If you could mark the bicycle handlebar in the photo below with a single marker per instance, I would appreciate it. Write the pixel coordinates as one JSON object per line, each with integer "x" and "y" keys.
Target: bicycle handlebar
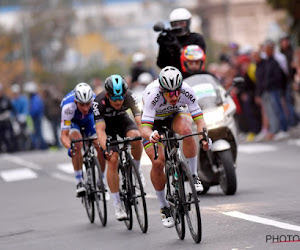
{"x": 179, "y": 138}
{"x": 122, "y": 140}
{"x": 88, "y": 139}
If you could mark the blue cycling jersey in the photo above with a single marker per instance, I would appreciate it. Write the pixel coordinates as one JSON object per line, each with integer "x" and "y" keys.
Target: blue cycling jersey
{"x": 72, "y": 118}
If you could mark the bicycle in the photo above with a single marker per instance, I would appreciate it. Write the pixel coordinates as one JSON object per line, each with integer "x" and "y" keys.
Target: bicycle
{"x": 180, "y": 190}
{"x": 131, "y": 188}
{"x": 94, "y": 185}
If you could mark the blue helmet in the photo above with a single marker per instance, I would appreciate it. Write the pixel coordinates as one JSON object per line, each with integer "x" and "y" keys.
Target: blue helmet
{"x": 116, "y": 85}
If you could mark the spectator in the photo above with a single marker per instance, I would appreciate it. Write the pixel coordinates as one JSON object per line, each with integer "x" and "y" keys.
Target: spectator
{"x": 171, "y": 43}
{"x": 259, "y": 91}
{"x": 246, "y": 93}
{"x": 97, "y": 85}
{"x": 6, "y": 131}
{"x": 53, "y": 112}
{"x": 273, "y": 91}
{"x": 20, "y": 105}
{"x": 36, "y": 111}
{"x": 287, "y": 50}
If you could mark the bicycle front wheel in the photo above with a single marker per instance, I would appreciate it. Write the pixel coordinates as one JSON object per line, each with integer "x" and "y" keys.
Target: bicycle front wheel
{"x": 99, "y": 192}
{"x": 191, "y": 207}
{"x": 88, "y": 198}
{"x": 138, "y": 197}
{"x": 125, "y": 194}
{"x": 173, "y": 197}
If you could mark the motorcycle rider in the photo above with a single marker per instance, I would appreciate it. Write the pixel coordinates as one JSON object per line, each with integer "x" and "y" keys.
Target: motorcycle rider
{"x": 171, "y": 43}
{"x": 192, "y": 60}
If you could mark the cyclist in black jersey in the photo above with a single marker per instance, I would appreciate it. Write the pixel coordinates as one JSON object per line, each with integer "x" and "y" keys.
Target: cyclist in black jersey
{"x": 112, "y": 119}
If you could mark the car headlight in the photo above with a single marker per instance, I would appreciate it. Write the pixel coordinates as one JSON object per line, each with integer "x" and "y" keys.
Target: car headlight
{"x": 214, "y": 117}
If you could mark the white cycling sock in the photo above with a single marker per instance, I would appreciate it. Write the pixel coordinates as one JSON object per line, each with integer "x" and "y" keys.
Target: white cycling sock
{"x": 116, "y": 197}
{"x": 192, "y": 162}
{"x": 137, "y": 163}
{"x": 161, "y": 195}
{"x": 78, "y": 175}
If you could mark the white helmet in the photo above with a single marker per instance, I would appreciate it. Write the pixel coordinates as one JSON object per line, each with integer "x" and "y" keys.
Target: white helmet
{"x": 83, "y": 93}
{"x": 15, "y": 88}
{"x": 145, "y": 78}
{"x": 30, "y": 87}
{"x": 138, "y": 57}
{"x": 180, "y": 14}
{"x": 170, "y": 78}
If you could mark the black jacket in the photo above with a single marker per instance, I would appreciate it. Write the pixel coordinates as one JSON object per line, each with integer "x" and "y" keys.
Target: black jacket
{"x": 171, "y": 57}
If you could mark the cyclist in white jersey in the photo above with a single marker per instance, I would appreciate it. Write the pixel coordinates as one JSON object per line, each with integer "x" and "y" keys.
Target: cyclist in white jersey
{"x": 163, "y": 101}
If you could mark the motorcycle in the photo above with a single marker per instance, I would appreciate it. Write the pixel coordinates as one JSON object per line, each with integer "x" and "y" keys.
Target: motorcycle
{"x": 217, "y": 166}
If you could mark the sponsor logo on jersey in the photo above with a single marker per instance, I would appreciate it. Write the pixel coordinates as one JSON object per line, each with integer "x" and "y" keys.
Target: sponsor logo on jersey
{"x": 69, "y": 111}
{"x": 155, "y": 100}
{"x": 95, "y": 108}
{"x": 136, "y": 101}
{"x": 188, "y": 95}
{"x": 67, "y": 123}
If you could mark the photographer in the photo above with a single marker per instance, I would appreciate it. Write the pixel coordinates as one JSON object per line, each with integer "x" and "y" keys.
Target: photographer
{"x": 172, "y": 41}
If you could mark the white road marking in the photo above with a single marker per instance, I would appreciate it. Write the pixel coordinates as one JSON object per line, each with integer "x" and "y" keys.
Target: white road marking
{"x": 66, "y": 167}
{"x": 63, "y": 177}
{"x": 18, "y": 174}
{"x": 294, "y": 142}
{"x": 262, "y": 220}
{"x": 256, "y": 148}
{"x": 19, "y": 161}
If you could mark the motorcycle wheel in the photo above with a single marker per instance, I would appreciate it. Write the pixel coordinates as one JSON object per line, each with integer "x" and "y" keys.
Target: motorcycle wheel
{"x": 227, "y": 179}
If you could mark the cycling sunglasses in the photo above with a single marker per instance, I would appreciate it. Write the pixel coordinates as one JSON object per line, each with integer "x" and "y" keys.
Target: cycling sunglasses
{"x": 172, "y": 93}
{"x": 117, "y": 97}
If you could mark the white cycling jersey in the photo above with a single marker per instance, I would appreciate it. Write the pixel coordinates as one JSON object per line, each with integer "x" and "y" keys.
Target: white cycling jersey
{"x": 155, "y": 106}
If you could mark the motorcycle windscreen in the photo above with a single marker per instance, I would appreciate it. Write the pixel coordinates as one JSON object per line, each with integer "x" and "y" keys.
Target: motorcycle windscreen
{"x": 206, "y": 90}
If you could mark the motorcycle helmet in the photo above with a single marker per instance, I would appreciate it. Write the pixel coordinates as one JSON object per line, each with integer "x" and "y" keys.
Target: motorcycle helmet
{"x": 116, "y": 87}
{"x": 192, "y": 54}
{"x": 180, "y": 20}
{"x": 83, "y": 93}
{"x": 170, "y": 79}
{"x": 145, "y": 78}
{"x": 138, "y": 57}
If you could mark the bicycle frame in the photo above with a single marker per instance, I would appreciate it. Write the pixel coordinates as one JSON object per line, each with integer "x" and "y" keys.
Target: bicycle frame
{"x": 131, "y": 189}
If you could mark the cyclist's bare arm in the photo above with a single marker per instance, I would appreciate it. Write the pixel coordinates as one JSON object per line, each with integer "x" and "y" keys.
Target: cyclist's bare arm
{"x": 65, "y": 139}
{"x": 138, "y": 122}
{"x": 101, "y": 135}
{"x": 200, "y": 123}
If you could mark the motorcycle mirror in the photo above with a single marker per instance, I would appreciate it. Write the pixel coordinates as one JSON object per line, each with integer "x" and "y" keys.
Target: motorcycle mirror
{"x": 238, "y": 80}
{"x": 158, "y": 27}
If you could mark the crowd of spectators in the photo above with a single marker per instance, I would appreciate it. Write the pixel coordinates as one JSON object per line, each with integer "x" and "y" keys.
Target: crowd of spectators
{"x": 266, "y": 102}
{"x": 24, "y": 109}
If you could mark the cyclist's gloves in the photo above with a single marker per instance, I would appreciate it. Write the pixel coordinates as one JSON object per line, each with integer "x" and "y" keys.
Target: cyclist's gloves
{"x": 70, "y": 152}
{"x": 154, "y": 137}
{"x": 209, "y": 142}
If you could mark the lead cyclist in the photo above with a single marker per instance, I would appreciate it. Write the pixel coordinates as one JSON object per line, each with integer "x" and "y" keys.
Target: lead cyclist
{"x": 163, "y": 100}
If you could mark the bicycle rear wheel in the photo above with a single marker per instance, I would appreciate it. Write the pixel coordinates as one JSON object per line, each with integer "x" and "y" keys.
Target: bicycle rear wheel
{"x": 88, "y": 198}
{"x": 125, "y": 194}
{"x": 138, "y": 197}
{"x": 99, "y": 192}
{"x": 191, "y": 206}
{"x": 173, "y": 197}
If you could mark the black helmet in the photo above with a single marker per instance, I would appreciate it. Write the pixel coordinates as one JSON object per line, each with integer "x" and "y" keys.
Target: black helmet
{"x": 116, "y": 85}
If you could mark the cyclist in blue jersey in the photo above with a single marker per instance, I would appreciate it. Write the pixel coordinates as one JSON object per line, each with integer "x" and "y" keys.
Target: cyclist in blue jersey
{"x": 77, "y": 112}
